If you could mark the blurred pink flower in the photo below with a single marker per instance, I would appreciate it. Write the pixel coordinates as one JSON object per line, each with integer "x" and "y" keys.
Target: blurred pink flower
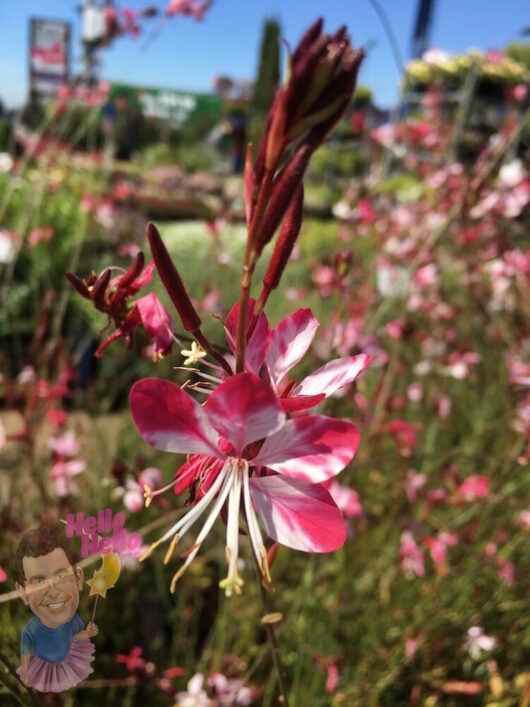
{"x": 332, "y": 678}
{"x": 133, "y": 498}
{"x": 65, "y": 446}
{"x": 324, "y": 279}
{"x": 404, "y": 434}
{"x": 506, "y": 572}
{"x": 132, "y": 661}
{"x": 411, "y": 646}
{"x": 520, "y": 92}
{"x": 415, "y": 392}
{"x": 38, "y": 235}
{"x": 230, "y": 692}
{"x": 56, "y": 417}
{"x": 62, "y": 473}
{"x": 3, "y": 575}
{"x": 395, "y": 329}
{"x": 411, "y": 557}
{"x": 346, "y": 499}
{"x": 438, "y": 546}
{"x": 474, "y": 487}
{"x": 413, "y": 483}
{"x": 523, "y": 519}
{"x": 519, "y": 372}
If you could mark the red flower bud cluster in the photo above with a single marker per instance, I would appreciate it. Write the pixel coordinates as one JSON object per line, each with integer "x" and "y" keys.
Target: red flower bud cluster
{"x": 111, "y": 296}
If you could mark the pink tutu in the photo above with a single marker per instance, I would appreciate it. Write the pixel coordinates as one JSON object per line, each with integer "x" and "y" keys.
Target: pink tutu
{"x": 57, "y": 677}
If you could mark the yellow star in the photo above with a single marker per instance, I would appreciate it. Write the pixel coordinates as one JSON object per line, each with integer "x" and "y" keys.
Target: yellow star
{"x": 194, "y": 354}
{"x": 100, "y": 583}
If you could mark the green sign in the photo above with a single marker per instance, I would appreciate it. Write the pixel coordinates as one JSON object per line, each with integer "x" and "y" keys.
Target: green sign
{"x": 178, "y": 107}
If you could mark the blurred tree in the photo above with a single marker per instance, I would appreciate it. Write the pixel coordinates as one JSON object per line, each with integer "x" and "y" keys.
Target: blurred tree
{"x": 519, "y": 51}
{"x": 267, "y": 79}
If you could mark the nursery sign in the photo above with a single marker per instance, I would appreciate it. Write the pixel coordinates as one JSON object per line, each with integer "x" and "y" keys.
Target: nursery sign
{"x": 49, "y": 55}
{"x": 178, "y": 107}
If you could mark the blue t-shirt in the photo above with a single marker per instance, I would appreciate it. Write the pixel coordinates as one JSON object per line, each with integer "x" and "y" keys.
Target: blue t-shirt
{"x": 49, "y": 644}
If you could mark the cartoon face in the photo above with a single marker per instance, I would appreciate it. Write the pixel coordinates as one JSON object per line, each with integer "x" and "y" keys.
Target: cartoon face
{"x": 51, "y": 588}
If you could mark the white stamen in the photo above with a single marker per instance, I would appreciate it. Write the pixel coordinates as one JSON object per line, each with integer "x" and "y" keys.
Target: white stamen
{"x": 197, "y": 510}
{"x": 232, "y": 527}
{"x": 214, "y": 512}
{"x": 253, "y": 528}
{"x": 200, "y": 390}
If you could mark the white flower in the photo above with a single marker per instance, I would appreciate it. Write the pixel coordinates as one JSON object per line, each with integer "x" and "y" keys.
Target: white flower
{"x": 7, "y": 251}
{"x": 195, "y": 695}
{"x": 477, "y": 642}
{"x": 6, "y": 162}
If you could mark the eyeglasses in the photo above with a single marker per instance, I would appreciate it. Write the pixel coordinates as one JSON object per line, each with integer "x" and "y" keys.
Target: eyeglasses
{"x": 57, "y": 578}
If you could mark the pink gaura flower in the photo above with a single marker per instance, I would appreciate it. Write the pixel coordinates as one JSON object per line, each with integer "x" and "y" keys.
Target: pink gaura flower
{"x": 347, "y": 499}
{"x": 65, "y": 446}
{"x": 404, "y": 434}
{"x": 132, "y": 661}
{"x": 243, "y": 445}
{"x": 285, "y": 346}
{"x": 413, "y": 483}
{"x": 133, "y": 498}
{"x": 62, "y": 472}
{"x": 56, "y": 417}
{"x": 411, "y": 556}
{"x": 230, "y": 692}
{"x": 474, "y": 487}
{"x": 332, "y": 678}
{"x": 157, "y": 323}
{"x": 39, "y": 235}
{"x": 506, "y": 572}
{"x": 438, "y": 546}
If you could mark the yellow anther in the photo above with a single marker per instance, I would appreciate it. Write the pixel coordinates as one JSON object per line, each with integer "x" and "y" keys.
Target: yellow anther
{"x": 150, "y": 550}
{"x": 148, "y": 495}
{"x": 171, "y": 548}
{"x": 264, "y": 567}
{"x": 232, "y": 585}
{"x": 176, "y": 578}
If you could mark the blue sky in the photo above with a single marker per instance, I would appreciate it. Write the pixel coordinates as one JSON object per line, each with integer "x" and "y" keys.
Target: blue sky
{"x": 186, "y": 54}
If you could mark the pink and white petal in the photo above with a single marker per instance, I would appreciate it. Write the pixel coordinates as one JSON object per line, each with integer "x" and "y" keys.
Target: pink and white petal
{"x": 289, "y": 342}
{"x": 74, "y": 467}
{"x": 170, "y": 420}
{"x": 259, "y": 341}
{"x": 244, "y": 409}
{"x": 299, "y": 515}
{"x": 313, "y": 448}
{"x": 301, "y": 402}
{"x": 333, "y": 376}
{"x": 61, "y": 486}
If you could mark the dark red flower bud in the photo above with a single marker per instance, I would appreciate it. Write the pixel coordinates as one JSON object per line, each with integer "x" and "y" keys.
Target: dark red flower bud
{"x": 283, "y": 190}
{"x": 78, "y": 285}
{"x": 133, "y": 272}
{"x": 172, "y": 281}
{"x": 286, "y": 240}
{"x": 99, "y": 290}
{"x": 319, "y": 89}
{"x": 307, "y": 39}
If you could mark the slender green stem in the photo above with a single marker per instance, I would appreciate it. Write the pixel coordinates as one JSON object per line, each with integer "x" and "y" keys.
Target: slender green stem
{"x": 272, "y": 640}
